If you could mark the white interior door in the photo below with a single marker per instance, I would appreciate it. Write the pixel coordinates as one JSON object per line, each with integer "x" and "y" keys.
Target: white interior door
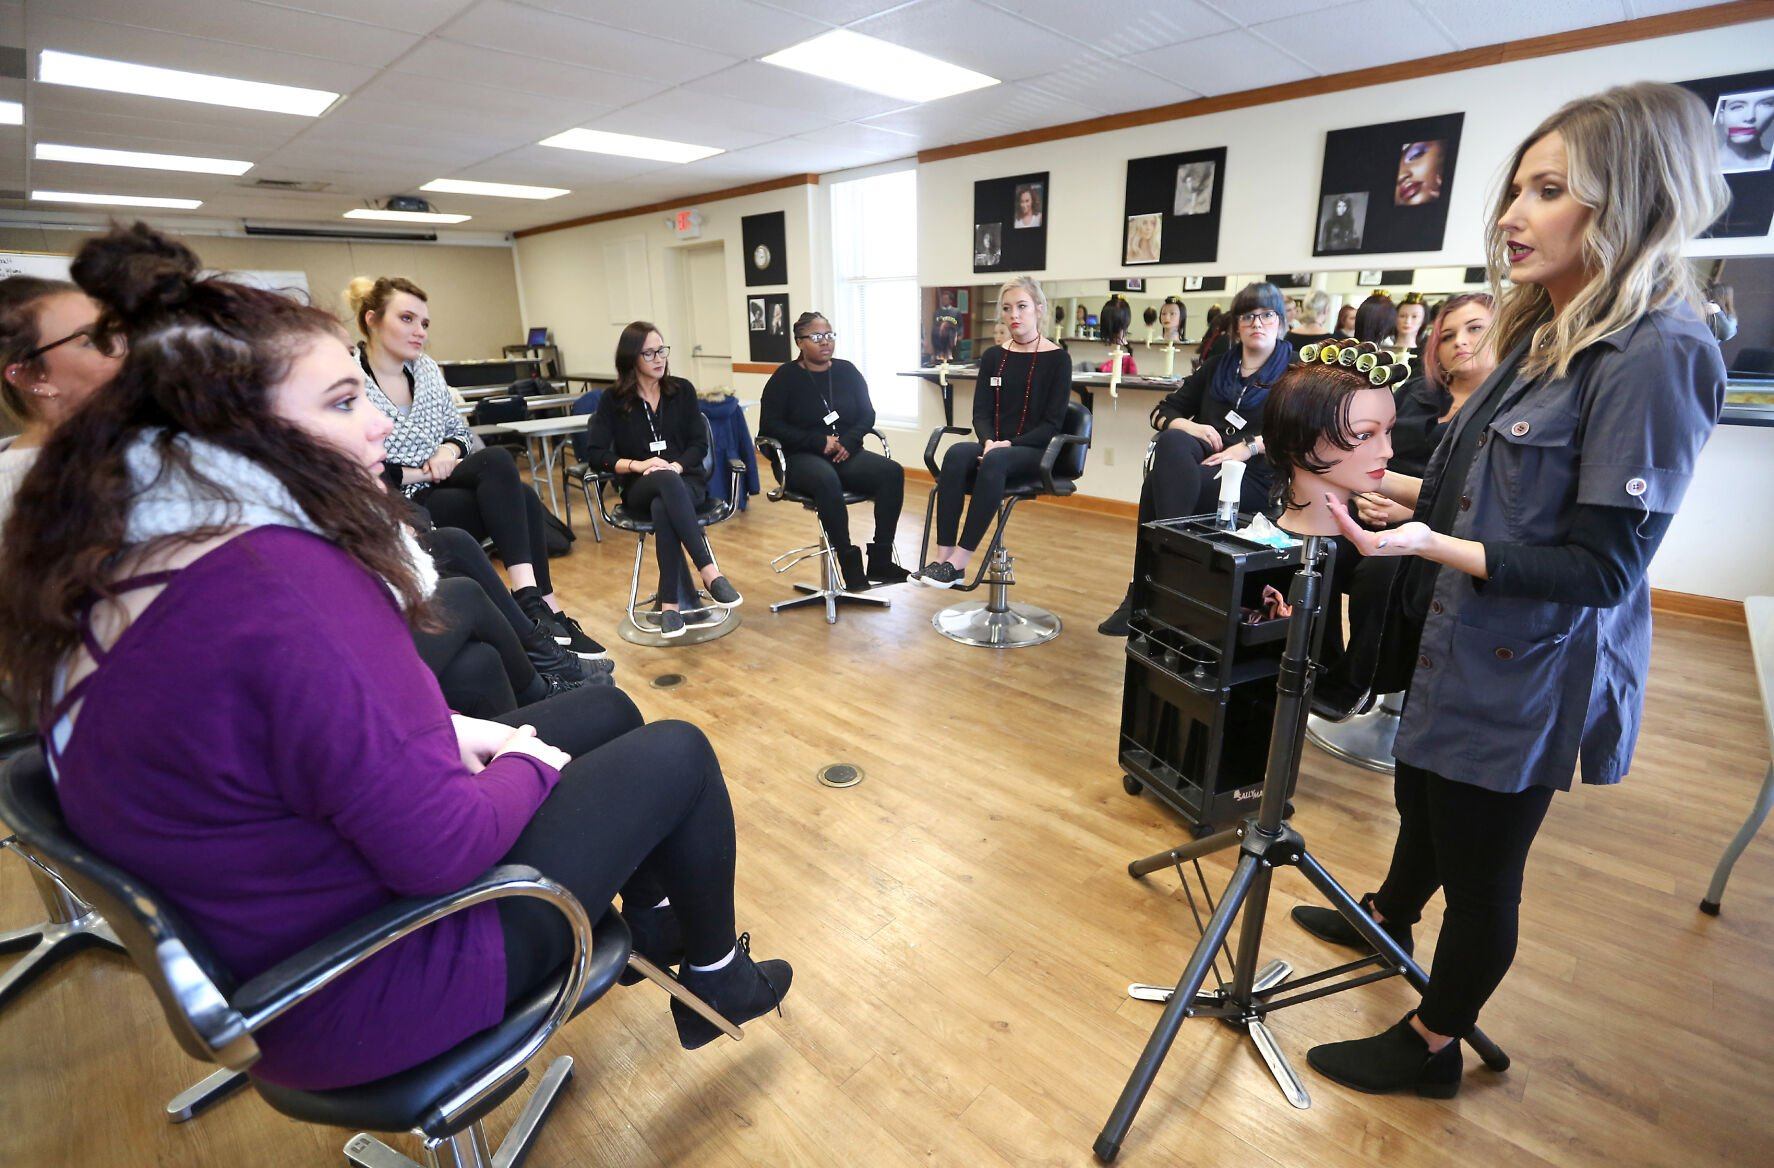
{"x": 706, "y": 355}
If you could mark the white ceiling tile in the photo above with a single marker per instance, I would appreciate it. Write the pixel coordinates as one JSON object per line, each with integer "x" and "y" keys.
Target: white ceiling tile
{"x": 835, "y": 11}
{"x": 547, "y": 166}
{"x": 855, "y": 146}
{"x": 1110, "y": 87}
{"x": 1121, "y": 28}
{"x": 407, "y": 99}
{"x": 61, "y": 111}
{"x": 548, "y": 36}
{"x": 1507, "y": 20}
{"x": 1359, "y": 35}
{"x": 170, "y": 51}
{"x": 1226, "y": 63}
{"x": 449, "y": 61}
{"x": 683, "y": 115}
{"x": 739, "y": 27}
{"x": 1249, "y": 12}
{"x": 419, "y": 16}
{"x": 1002, "y": 109}
{"x": 242, "y": 22}
{"x": 117, "y": 180}
{"x": 771, "y": 86}
{"x": 12, "y": 23}
{"x": 970, "y": 34}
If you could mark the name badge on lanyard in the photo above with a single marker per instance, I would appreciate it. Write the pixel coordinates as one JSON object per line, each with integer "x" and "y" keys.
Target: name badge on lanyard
{"x": 831, "y": 417}
{"x": 657, "y": 446}
{"x": 997, "y": 381}
{"x": 1235, "y": 420}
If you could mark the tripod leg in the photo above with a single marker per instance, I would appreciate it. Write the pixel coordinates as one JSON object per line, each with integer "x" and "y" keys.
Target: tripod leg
{"x": 1490, "y": 1052}
{"x": 1108, "y": 1143}
{"x": 1183, "y": 853}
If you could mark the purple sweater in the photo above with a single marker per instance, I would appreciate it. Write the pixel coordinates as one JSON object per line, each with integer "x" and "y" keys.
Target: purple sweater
{"x": 265, "y": 747}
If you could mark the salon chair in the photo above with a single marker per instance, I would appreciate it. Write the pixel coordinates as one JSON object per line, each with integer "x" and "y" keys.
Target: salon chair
{"x": 703, "y": 622}
{"x": 997, "y": 622}
{"x": 830, "y": 591}
{"x": 444, "y": 1100}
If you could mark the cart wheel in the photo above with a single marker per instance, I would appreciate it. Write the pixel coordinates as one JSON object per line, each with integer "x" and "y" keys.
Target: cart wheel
{"x": 1131, "y": 785}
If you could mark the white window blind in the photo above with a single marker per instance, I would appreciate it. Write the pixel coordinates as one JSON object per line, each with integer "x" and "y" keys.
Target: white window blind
{"x": 875, "y": 261}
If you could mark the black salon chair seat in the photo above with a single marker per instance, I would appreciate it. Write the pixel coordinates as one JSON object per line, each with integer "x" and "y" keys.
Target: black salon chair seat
{"x": 214, "y": 1018}
{"x": 830, "y": 593}
{"x": 998, "y": 622}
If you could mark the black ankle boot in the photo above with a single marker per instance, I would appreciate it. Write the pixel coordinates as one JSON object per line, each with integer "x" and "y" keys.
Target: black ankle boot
{"x": 1394, "y": 1060}
{"x": 657, "y": 936}
{"x": 882, "y": 569}
{"x": 1117, "y": 624}
{"x": 1327, "y": 924}
{"x": 739, "y": 991}
{"x": 548, "y": 656}
{"x": 856, "y": 579}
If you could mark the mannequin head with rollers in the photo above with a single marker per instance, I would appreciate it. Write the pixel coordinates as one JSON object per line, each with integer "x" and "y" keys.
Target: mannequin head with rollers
{"x": 1328, "y": 431}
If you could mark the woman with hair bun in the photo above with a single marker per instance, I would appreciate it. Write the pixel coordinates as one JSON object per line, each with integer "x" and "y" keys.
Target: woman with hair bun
{"x": 206, "y": 592}
{"x": 428, "y": 459}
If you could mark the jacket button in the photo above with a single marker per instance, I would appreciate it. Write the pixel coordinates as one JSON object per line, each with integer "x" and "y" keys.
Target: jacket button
{"x": 1520, "y": 429}
{"x": 1482, "y": 439}
{"x": 1423, "y": 661}
{"x": 1465, "y": 502}
{"x": 1435, "y": 606}
{"x": 1505, "y": 654}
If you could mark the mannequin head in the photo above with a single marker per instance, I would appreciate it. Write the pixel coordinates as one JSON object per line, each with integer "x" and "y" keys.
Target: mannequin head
{"x": 1113, "y": 321}
{"x": 1376, "y": 320}
{"x": 943, "y": 332}
{"x": 1411, "y": 315}
{"x": 1326, "y": 431}
{"x": 1172, "y": 317}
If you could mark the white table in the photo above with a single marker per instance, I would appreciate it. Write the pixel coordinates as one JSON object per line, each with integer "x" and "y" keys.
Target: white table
{"x": 550, "y": 434}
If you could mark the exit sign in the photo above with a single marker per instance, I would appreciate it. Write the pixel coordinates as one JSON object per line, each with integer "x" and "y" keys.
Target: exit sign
{"x": 687, "y": 224}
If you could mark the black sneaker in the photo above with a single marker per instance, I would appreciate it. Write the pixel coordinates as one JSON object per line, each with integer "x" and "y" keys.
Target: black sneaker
{"x": 671, "y": 623}
{"x": 1327, "y": 924}
{"x": 722, "y": 592}
{"x": 939, "y": 574}
{"x": 1117, "y": 624}
{"x": 882, "y": 569}
{"x": 855, "y": 577}
{"x": 1393, "y": 1060}
{"x": 657, "y": 936}
{"x": 572, "y": 635}
{"x": 536, "y": 608}
{"x": 548, "y": 657}
{"x": 559, "y": 683}
{"x": 739, "y": 991}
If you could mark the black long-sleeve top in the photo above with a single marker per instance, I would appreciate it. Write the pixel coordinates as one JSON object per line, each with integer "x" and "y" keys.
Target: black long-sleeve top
{"x": 1194, "y": 400}
{"x": 627, "y": 428}
{"x": 1028, "y": 406}
{"x": 796, "y": 402}
{"x": 1419, "y": 427}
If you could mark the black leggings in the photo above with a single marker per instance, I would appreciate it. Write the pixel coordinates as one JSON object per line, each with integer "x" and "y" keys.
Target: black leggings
{"x": 641, "y": 810}
{"x": 485, "y": 497}
{"x": 865, "y": 473}
{"x": 459, "y": 554}
{"x": 670, "y": 500}
{"x": 1473, "y": 845}
{"x": 1179, "y": 485}
{"x": 479, "y": 662}
{"x": 962, "y": 467}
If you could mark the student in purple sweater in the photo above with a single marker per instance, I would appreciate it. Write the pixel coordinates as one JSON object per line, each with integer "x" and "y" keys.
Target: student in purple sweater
{"x": 251, "y": 731}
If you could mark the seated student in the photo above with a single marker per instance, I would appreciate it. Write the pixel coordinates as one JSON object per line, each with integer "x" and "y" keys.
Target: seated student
{"x": 648, "y": 431}
{"x": 1345, "y": 329}
{"x": 1215, "y": 416}
{"x": 818, "y": 407}
{"x": 1112, "y": 324}
{"x": 1456, "y": 360}
{"x": 428, "y": 458}
{"x": 251, "y": 733}
{"x": 1019, "y": 404}
{"x": 50, "y": 364}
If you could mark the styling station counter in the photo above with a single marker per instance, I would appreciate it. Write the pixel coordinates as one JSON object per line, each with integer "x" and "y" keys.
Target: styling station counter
{"x": 1084, "y": 385}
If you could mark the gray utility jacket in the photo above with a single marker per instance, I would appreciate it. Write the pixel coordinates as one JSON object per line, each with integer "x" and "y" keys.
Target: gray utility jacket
{"x": 1509, "y": 693}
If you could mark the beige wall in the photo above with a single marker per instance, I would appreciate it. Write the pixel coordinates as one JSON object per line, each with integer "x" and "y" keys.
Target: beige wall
{"x": 473, "y": 290}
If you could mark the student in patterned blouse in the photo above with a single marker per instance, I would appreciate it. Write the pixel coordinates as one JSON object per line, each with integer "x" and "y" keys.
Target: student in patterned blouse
{"x": 428, "y": 452}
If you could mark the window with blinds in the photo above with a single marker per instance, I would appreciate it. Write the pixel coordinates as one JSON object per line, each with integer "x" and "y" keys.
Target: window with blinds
{"x": 875, "y": 262}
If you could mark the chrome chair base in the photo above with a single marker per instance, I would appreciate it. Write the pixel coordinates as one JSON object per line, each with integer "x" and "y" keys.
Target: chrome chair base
{"x": 468, "y": 1148}
{"x": 831, "y": 591}
{"x": 1364, "y": 740}
{"x": 700, "y": 625}
{"x": 202, "y": 1095}
{"x": 71, "y": 925}
{"x": 977, "y": 623}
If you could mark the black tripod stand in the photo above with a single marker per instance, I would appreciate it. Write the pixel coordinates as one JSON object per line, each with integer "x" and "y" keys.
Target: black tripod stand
{"x": 1266, "y": 841}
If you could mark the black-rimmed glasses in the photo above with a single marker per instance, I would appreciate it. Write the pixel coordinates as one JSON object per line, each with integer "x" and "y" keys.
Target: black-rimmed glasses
{"x": 1260, "y": 316}
{"x": 659, "y": 354}
{"x": 76, "y": 335}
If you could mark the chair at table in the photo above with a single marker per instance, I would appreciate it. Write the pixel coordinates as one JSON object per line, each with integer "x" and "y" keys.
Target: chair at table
{"x": 997, "y": 622}
{"x": 443, "y": 1100}
{"x": 490, "y": 411}
{"x": 703, "y": 622}
{"x": 830, "y": 592}
{"x": 573, "y": 469}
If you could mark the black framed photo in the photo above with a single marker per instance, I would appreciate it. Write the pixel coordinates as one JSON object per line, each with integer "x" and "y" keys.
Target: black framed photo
{"x": 767, "y": 322}
{"x": 1010, "y": 220}
{"x": 1172, "y": 206}
{"x": 1742, "y": 107}
{"x": 1387, "y": 187}
{"x": 1368, "y": 278}
{"x": 765, "y": 238}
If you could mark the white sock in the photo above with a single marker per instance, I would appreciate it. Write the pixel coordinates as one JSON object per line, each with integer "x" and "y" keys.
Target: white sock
{"x": 663, "y": 902}
{"x": 721, "y": 964}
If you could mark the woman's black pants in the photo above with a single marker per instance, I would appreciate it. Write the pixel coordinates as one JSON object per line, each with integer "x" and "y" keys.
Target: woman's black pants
{"x": 1473, "y": 845}
{"x": 485, "y": 497}
{"x": 641, "y": 810}
{"x": 1180, "y": 485}
{"x": 479, "y": 663}
{"x": 864, "y": 473}
{"x": 670, "y": 500}
{"x": 459, "y": 554}
{"x": 962, "y": 467}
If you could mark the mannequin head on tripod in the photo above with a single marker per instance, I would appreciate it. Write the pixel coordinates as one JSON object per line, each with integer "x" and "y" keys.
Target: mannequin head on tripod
{"x": 1327, "y": 430}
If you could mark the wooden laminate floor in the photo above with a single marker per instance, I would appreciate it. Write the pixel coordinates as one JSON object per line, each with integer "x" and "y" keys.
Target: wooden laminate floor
{"x": 963, "y": 928}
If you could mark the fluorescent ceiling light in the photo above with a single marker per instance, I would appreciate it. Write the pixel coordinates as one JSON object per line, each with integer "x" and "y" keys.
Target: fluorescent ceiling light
{"x": 116, "y": 200}
{"x": 12, "y": 113}
{"x": 59, "y": 68}
{"x": 849, "y": 58}
{"x": 406, "y": 216}
{"x": 463, "y": 186}
{"x": 55, "y": 152}
{"x": 630, "y": 146}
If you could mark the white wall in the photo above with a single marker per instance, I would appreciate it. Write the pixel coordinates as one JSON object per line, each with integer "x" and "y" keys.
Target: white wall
{"x": 566, "y": 287}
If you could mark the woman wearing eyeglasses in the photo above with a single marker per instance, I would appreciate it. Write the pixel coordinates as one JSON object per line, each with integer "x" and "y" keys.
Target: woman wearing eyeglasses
{"x": 818, "y": 407}
{"x": 1216, "y": 416}
{"x": 648, "y": 431}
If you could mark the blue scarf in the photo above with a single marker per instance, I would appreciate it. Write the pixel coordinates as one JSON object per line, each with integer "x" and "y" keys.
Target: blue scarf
{"x": 1227, "y": 383}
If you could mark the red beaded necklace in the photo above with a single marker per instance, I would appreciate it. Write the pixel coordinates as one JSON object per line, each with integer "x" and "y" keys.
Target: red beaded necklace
{"x": 998, "y": 389}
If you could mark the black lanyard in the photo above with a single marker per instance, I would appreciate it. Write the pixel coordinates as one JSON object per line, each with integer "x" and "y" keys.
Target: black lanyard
{"x": 825, "y": 395}
{"x": 647, "y": 412}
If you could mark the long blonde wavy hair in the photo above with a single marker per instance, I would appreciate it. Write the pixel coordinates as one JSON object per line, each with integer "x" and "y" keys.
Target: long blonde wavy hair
{"x": 1641, "y": 158}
